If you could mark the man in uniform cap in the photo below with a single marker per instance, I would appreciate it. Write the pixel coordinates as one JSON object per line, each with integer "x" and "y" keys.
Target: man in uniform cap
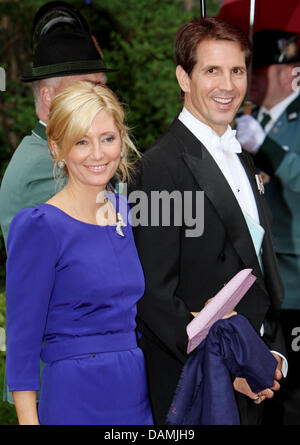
{"x": 60, "y": 58}
{"x": 273, "y": 137}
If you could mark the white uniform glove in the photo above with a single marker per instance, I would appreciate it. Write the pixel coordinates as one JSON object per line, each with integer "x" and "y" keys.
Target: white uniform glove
{"x": 249, "y": 133}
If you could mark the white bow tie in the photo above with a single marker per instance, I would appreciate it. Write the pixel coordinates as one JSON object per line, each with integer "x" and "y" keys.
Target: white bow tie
{"x": 228, "y": 142}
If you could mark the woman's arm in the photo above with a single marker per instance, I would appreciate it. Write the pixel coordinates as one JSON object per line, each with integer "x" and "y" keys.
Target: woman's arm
{"x": 25, "y": 404}
{"x": 30, "y": 277}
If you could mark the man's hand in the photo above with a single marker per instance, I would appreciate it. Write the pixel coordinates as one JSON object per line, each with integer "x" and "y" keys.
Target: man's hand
{"x": 242, "y": 386}
{"x": 250, "y": 133}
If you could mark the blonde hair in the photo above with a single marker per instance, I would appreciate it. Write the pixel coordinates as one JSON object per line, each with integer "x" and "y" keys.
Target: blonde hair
{"x": 71, "y": 114}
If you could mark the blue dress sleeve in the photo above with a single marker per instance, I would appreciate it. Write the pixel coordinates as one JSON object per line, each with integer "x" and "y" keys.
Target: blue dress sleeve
{"x": 30, "y": 274}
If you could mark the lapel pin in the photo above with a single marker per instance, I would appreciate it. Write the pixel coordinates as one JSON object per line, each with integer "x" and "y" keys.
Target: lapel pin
{"x": 292, "y": 116}
{"x": 260, "y": 184}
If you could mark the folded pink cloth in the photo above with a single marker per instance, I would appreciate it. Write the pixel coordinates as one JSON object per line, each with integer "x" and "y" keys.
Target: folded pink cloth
{"x": 221, "y": 304}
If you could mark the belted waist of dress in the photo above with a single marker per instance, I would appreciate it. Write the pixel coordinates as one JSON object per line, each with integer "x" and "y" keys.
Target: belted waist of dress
{"x": 63, "y": 349}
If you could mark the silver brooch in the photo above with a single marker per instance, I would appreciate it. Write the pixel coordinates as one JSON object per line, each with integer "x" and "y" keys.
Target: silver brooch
{"x": 120, "y": 223}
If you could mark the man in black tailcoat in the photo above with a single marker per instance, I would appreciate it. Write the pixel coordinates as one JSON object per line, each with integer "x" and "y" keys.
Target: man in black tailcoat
{"x": 184, "y": 266}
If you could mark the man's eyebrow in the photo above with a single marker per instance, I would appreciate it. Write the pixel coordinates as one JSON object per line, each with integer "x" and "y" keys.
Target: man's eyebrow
{"x": 208, "y": 67}
{"x": 94, "y": 82}
{"x": 241, "y": 67}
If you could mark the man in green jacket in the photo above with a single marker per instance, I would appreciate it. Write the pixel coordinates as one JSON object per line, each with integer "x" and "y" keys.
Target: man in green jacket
{"x": 273, "y": 137}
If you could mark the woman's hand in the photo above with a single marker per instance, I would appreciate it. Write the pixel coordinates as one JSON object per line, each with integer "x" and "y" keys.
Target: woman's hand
{"x": 25, "y": 403}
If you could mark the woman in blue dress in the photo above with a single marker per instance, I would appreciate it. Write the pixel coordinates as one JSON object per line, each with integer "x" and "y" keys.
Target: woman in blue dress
{"x": 74, "y": 278}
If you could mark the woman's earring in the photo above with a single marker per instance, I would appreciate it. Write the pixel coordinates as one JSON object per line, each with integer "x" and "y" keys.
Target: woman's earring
{"x": 122, "y": 154}
{"x": 61, "y": 164}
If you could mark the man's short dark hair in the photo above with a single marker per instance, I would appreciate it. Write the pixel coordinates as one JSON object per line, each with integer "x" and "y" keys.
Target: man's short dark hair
{"x": 192, "y": 33}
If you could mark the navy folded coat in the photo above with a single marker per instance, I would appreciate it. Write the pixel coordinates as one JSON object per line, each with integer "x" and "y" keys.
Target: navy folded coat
{"x": 205, "y": 395}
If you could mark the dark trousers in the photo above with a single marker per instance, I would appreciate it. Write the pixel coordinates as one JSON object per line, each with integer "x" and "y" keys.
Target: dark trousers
{"x": 284, "y": 408}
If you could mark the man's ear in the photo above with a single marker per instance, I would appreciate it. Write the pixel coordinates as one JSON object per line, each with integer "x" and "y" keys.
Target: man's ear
{"x": 183, "y": 79}
{"x": 46, "y": 95}
{"x": 286, "y": 77}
